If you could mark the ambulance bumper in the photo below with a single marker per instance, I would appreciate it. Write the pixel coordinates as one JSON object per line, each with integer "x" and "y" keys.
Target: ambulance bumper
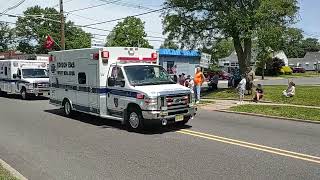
{"x": 169, "y": 115}
{"x": 37, "y": 92}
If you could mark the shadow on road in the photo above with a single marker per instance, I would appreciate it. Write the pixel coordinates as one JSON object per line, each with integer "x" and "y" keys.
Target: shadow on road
{"x": 18, "y": 97}
{"x": 107, "y": 123}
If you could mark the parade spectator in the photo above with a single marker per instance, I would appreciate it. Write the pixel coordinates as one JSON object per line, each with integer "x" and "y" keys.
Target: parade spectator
{"x": 250, "y": 79}
{"x": 236, "y": 76}
{"x": 242, "y": 88}
{"x": 259, "y": 93}
{"x": 189, "y": 82}
{"x": 291, "y": 90}
{"x": 198, "y": 81}
{"x": 182, "y": 79}
{"x": 214, "y": 81}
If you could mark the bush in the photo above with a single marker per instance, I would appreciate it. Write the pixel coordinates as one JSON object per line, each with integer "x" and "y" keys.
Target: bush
{"x": 273, "y": 67}
{"x": 285, "y": 70}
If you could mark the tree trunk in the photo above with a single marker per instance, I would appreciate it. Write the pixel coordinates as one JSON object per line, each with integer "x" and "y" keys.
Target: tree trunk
{"x": 243, "y": 54}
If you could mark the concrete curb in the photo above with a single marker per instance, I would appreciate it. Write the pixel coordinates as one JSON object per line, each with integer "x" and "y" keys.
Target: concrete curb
{"x": 12, "y": 171}
{"x": 267, "y": 116}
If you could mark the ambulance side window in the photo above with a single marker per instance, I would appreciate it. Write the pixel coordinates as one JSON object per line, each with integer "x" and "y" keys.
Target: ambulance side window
{"x": 5, "y": 71}
{"x": 82, "y": 78}
{"x": 117, "y": 74}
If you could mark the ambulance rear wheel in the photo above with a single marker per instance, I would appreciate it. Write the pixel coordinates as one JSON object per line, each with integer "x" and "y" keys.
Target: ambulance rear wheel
{"x": 135, "y": 119}
{"x": 24, "y": 94}
{"x": 67, "y": 108}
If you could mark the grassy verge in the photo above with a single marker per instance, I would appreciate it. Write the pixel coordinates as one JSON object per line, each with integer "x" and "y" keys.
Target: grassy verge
{"x": 305, "y": 95}
{"x": 5, "y": 175}
{"x": 281, "y": 111}
{"x": 298, "y": 75}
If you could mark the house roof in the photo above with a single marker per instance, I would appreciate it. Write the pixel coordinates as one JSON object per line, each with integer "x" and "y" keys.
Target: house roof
{"x": 173, "y": 52}
{"x": 310, "y": 57}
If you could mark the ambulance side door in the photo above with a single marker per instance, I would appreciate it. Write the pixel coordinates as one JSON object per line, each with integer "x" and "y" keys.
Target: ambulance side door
{"x": 116, "y": 93}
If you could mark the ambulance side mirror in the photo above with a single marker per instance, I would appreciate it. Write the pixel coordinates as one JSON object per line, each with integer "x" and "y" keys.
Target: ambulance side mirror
{"x": 121, "y": 83}
{"x": 111, "y": 81}
{"x": 14, "y": 76}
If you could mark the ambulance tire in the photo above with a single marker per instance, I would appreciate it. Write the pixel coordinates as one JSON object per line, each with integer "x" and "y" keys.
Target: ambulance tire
{"x": 2, "y": 93}
{"x": 67, "y": 108}
{"x": 135, "y": 121}
{"x": 24, "y": 95}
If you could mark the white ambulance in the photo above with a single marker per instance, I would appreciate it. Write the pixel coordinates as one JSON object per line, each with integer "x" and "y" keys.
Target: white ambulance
{"x": 24, "y": 77}
{"x": 118, "y": 83}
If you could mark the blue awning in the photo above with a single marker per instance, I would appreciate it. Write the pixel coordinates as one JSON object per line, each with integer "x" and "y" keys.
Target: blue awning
{"x": 173, "y": 52}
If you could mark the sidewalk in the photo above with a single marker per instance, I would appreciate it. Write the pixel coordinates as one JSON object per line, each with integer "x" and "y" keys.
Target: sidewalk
{"x": 226, "y": 104}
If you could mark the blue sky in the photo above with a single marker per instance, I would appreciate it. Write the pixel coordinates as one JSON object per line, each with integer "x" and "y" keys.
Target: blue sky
{"x": 308, "y": 15}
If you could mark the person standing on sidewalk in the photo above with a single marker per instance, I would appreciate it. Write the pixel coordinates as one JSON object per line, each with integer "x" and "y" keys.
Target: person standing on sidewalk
{"x": 242, "y": 88}
{"x": 198, "y": 81}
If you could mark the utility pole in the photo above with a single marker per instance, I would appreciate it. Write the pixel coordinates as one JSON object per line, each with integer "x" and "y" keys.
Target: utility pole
{"x": 63, "y": 45}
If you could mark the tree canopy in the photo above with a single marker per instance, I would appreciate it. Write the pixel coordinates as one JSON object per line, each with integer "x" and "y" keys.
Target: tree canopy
{"x": 32, "y": 31}
{"x": 6, "y": 37}
{"x": 196, "y": 23}
{"x": 129, "y": 33}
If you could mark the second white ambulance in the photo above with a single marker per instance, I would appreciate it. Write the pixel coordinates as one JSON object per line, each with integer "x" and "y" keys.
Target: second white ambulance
{"x": 124, "y": 84}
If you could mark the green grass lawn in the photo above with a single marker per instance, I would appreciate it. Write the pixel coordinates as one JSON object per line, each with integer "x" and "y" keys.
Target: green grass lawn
{"x": 281, "y": 111}
{"x": 306, "y": 74}
{"x": 305, "y": 95}
{"x": 5, "y": 175}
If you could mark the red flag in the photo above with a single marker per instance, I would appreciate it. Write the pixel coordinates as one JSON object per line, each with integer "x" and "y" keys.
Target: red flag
{"x": 49, "y": 42}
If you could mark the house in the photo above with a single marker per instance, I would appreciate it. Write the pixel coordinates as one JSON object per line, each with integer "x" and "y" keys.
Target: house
{"x": 309, "y": 62}
{"x": 232, "y": 60}
{"x": 183, "y": 61}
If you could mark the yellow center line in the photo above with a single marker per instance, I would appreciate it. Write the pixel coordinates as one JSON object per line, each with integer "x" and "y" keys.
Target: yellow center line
{"x": 258, "y": 147}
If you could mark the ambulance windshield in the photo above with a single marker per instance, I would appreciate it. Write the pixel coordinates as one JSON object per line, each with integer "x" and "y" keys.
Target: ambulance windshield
{"x": 147, "y": 75}
{"x": 35, "y": 73}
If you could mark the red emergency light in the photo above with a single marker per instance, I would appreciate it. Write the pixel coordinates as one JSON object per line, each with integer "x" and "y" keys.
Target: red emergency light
{"x": 104, "y": 56}
{"x": 154, "y": 57}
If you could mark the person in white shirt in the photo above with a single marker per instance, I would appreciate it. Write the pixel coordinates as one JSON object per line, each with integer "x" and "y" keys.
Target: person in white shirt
{"x": 242, "y": 88}
{"x": 291, "y": 90}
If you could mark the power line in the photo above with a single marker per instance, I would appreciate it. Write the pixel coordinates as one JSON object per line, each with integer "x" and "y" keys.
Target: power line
{"x": 13, "y": 7}
{"x": 59, "y": 4}
{"x": 90, "y": 7}
{"x": 118, "y": 19}
{"x": 130, "y": 5}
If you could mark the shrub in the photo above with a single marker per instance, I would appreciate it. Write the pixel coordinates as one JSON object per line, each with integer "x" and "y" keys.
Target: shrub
{"x": 273, "y": 67}
{"x": 285, "y": 70}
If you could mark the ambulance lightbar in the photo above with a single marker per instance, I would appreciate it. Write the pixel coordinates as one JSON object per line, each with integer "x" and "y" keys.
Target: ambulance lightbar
{"x": 154, "y": 57}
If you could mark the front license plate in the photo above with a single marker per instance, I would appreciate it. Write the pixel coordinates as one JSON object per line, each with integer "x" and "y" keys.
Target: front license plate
{"x": 179, "y": 118}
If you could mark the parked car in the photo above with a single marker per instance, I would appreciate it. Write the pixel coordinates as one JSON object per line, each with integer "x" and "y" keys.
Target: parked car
{"x": 298, "y": 70}
{"x": 223, "y": 75}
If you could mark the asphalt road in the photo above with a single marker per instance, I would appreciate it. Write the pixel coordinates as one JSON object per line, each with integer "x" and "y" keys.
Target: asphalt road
{"x": 298, "y": 81}
{"x": 42, "y": 144}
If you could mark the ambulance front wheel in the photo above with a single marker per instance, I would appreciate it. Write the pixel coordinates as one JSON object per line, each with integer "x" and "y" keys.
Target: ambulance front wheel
{"x": 24, "y": 94}
{"x": 67, "y": 108}
{"x": 135, "y": 119}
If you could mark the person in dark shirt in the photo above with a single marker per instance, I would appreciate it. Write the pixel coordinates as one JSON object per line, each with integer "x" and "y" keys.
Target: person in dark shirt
{"x": 259, "y": 93}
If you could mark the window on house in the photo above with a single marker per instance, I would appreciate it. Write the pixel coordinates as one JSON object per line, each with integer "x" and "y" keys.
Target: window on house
{"x": 307, "y": 64}
{"x": 6, "y": 71}
{"x": 82, "y": 78}
{"x": 226, "y": 64}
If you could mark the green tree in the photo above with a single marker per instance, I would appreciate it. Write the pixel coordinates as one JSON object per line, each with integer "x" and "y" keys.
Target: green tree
{"x": 128, "y": 33}
{"x": 292, "y": 43}
{"x": 6, "y": 37}
{"x": 169, "y": 44}
{"x": 310, "y": 45}
{"x": 197, "y": 22}
{"x": 39, "y": 22}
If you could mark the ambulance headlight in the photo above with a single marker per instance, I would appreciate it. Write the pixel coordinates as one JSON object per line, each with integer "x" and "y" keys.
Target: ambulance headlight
{"x": 29, "y": 85}
{"x": 151, "y": 103}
